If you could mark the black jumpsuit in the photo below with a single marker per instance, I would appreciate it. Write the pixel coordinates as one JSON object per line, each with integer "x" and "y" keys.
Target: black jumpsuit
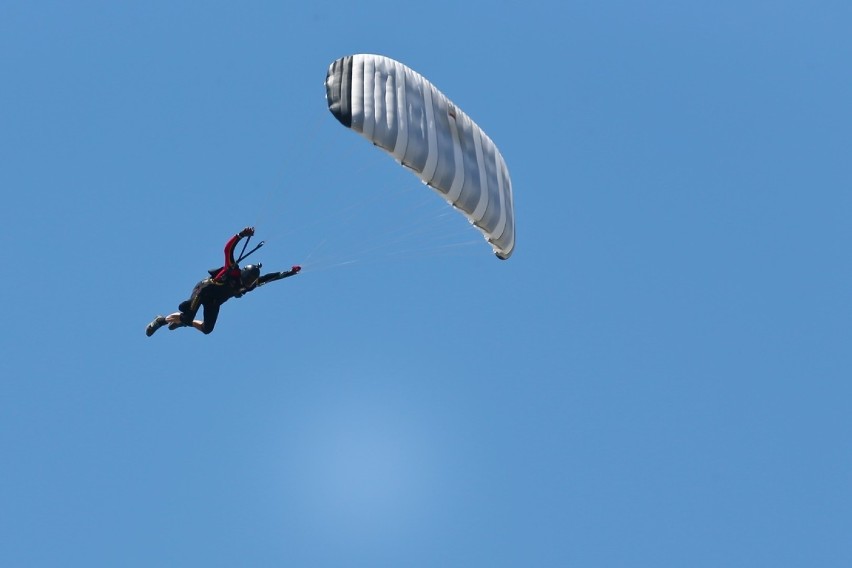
{"x": 224, "y": 283}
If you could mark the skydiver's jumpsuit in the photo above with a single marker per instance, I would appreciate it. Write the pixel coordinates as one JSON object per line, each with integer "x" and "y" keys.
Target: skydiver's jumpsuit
{"x": 224, "y": 283}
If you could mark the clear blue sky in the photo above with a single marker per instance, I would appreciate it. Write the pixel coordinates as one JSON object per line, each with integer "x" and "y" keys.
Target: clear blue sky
{"x": 659, "y": 376}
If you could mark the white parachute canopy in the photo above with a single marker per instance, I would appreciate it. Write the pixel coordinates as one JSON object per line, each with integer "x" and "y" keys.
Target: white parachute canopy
{"x": 404, "y": 114}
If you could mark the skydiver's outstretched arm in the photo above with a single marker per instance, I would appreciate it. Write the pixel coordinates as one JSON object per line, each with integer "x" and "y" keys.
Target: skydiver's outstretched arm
{"x": 273, "y": 276}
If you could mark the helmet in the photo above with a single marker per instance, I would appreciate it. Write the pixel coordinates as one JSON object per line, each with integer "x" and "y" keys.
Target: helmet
{"x": 249, "y": 275}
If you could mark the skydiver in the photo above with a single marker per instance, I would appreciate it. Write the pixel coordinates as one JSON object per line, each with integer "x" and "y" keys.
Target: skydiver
{"x": 229, "y": 281}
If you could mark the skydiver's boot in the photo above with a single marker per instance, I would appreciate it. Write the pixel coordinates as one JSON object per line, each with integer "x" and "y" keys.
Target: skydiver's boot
{"x": 158, "y": 322}
{"x": 174, "y": 326}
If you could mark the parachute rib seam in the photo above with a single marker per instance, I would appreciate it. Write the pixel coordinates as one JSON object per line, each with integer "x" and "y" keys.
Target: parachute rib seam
{"x": 356, "y": 89}
{"x": 432, "y": 138}
{"x": 458, "y": 158}
{"x": 482, "y": 204}
{"x": 501, "y": 223}
{"x": 400, "y": 88}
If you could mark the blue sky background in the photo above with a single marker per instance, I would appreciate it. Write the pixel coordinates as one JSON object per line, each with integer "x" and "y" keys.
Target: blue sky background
{"x": 659, "y": 376}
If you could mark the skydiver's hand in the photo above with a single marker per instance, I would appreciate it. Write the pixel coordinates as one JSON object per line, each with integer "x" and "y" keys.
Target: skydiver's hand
{"x": 295, "y": 269}
{"x": 247, "y": 232}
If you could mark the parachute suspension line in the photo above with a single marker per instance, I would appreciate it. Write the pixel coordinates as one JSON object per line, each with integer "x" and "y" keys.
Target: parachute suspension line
{"x": 348, "y": 220}
{"x": 468, "y": 249}
{"x": 344, "y": 217}
{"x": 294, "y": 152}
{"x": 337, "y": 224}
{"x": 445, "y": 233}
{"x": 404, "y": 241}
{"x": 339, "y": 176}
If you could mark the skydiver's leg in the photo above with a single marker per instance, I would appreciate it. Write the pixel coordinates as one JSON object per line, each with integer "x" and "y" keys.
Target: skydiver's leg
{"x": 184, "y": 317}
{"x": 211, "y": 313}
{"x": 181, "y": 319}
{"x": 175, "y": 321}
{"x": 187, "y": 310}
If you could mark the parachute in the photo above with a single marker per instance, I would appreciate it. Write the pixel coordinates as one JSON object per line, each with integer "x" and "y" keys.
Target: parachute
{"x": 404, "y": 114}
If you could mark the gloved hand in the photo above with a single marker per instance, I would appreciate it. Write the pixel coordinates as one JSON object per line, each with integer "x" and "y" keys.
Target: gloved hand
{"x": 247, "y": 232}
{"x": 295, "y": 269}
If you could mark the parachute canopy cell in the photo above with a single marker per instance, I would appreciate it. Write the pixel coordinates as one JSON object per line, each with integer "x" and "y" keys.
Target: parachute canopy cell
{"x": 401, "y": 112}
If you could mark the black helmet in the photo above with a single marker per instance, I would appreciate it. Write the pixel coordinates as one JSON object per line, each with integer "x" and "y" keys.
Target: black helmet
{"x": 249, "y": 275}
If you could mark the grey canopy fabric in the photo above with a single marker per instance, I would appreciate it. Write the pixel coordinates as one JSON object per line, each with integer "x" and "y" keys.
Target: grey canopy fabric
{"x": 404, "y": 114}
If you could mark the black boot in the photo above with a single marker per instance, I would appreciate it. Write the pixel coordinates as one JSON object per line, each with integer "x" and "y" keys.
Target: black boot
{"x": 158, "y": 322}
